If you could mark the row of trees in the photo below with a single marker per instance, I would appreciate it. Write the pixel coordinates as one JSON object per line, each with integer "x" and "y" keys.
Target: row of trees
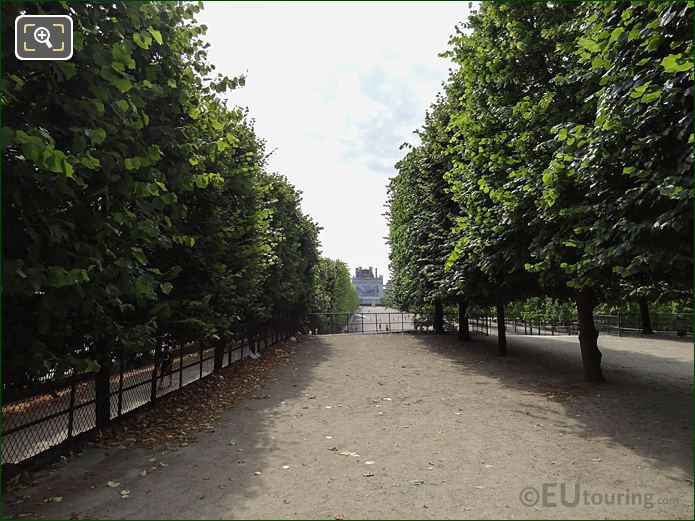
{"x": 333, "y": 289}
{"x": 136, "y": 207}
{"x": 556, "y": 162}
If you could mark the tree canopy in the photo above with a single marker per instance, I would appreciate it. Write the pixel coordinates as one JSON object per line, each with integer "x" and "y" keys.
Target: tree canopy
{"x": 563, "y": 160}
{"x": 137, "y": 206}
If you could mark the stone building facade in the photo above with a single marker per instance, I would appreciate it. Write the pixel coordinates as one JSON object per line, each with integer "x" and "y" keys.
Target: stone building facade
{"x": 369, "y": 285}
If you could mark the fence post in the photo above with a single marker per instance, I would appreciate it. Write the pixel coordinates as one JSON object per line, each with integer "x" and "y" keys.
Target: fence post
{"x": 71, "y": 411}
{"x": 620, "y": 330}
{"x": 201, "y": 360}
{"x": 218, "y": 361}
{"x": 120, "y": 383}
{"x": 180, "y": 366}
{"x": 362, "y": 322}
{"x": 153, "y": 383}
{"x": 332, "y": 323}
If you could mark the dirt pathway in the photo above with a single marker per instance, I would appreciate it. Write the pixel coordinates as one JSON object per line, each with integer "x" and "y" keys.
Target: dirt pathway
{"x": 408, "y": 426}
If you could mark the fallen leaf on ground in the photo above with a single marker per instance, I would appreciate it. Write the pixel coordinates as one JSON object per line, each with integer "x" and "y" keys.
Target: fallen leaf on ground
{"x": 112, "y": 484}
{"x": 367, "y": 474}
{"x": 285, "y": 466}
{"x": 143, "y": 473}
{"x": 416, "y": 482}
{"x": 257, "y": 473}
{"x": 197, "y": 404}
{"x": 55, "y": 499}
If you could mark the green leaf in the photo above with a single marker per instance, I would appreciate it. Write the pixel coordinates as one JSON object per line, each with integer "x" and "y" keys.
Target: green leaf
{"x": 142, "y": 39}
{"x": 90, "y": 162}
{"x": 139, "y": 255}
{"x": 167, "y": 287}
{"x": 122, "y": 84}
{"x": 155, "y": 34}
{"x": 651, "y": 96}
{"x": 96, "y": 135}
{"x": 616, "y": 33}
{"x": 68, "y": 68}
{"x": 676, "y": 63}
{"x": 639, "y": 91}
{"x": 588, "y": 44}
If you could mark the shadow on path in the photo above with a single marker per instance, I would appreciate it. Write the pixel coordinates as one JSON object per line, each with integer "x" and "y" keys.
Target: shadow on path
{"x": 646, "y": 404}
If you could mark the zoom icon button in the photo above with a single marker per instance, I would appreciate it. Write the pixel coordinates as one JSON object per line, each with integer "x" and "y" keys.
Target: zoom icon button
{"x": 43, "y": 37}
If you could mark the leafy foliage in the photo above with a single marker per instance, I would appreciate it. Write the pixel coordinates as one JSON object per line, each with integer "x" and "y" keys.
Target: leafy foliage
{"x": 557, "y": 160}
{"x": 136, "y": 206}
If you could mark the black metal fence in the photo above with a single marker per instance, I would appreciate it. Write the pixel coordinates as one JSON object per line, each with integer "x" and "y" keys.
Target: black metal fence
{"x": 619, "y": 324}
{"x": 388, "y": 322}
{"x": 397, "y": 322}
{"x": 52, "y": 411}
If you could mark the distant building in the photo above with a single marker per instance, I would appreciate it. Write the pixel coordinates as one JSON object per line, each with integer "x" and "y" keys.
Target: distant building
{"x": 370, "y": 287}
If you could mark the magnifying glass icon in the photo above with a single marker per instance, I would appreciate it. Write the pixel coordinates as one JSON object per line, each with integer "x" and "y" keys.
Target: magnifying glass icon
{"x": 42, "y": 35}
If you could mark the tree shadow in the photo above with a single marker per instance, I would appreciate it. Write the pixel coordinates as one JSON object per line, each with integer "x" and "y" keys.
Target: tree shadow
{"x": 210, "y": 479}
{"x": 646, "y": 404}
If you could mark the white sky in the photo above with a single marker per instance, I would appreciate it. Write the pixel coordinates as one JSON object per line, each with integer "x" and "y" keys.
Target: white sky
{"x": 335, "y": 89}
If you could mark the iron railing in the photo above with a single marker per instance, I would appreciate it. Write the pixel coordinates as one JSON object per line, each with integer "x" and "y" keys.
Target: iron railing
{"x": 619, "y": 324}
{"x": 51, "y": 411}
{"x": 388, "y": 322}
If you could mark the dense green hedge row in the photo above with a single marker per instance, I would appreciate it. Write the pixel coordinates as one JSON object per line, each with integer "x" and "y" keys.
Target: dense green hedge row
{"x": 557, "y": 161}
{"x": 136, "y": 205}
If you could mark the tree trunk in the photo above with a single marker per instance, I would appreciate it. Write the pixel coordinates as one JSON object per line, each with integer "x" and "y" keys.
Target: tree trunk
{"x": 588, "y": 336}
{"x": 464, "y": 332}
{"x": 438, "y": 317}
{"x": 219, "y": 354}
{"x": 501, "y": 330}
{"x": 102, "y": 395}
{"x": 644, "y": 316}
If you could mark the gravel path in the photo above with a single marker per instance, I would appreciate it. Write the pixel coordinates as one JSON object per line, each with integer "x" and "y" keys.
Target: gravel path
{"x": 418, "y": 426}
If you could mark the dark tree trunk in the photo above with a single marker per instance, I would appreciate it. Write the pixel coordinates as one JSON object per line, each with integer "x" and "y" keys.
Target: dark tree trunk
{"x": 644, "y": 316}
{"x": 438, "y": 317}
{"x": 219, "y": 354}
{"x": 102, "y": 395}
{"x": 464, "y": 332}
{"x": 588, "y": 336}
{"x": 501, "y": 330}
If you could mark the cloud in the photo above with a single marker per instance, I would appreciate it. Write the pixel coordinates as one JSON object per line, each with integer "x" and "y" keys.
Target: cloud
{"x": 335, "y": 89}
